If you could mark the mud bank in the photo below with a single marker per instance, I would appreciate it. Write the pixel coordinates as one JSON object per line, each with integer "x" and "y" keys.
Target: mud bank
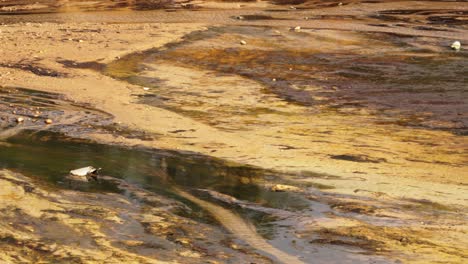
{"x": 361, "y": 113}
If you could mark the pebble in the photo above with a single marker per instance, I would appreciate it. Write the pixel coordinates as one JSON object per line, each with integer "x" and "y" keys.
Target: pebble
{"x": 19, "y": 120}
{"x": 48, "y": 121}
{"x": 189, "y": 254}
{"x": 297, "y": 29}
{"x": 146, "y": 88}
{"x": 234, "y": 246}
{"x": 284, "y": 188}
{"x": 183, "y": 241}
{"x": 133, "y": 243}
{"x": 29, "y": 228}
{"x": 456, "y": 45}
{"x": 242, "y": 42}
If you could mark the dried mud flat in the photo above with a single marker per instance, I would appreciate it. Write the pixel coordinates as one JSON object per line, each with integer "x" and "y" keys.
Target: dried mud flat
{"x": 359, "y": 118}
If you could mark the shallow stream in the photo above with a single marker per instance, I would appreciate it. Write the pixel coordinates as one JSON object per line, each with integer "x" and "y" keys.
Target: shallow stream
{"x": 264, "y": 219}
{"x": 50, "y": 156}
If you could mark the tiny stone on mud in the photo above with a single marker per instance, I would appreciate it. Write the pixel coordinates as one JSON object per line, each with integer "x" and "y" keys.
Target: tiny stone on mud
{"x": 284, "y": 188}
{"x": 243, "y": 42}
{"x": 456, "y": 45}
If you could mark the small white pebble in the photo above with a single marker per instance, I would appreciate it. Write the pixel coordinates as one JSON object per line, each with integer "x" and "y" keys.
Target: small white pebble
{"x": 146, "y": 88}
{"x": 297, "y": 29}
{"x": 242, "y": 42}
{"x": 456, "y": 45}
{"x": 19, "y": 120}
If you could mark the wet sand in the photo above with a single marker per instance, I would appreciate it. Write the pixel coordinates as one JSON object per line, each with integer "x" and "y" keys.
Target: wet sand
{"x": 366, "y": 100}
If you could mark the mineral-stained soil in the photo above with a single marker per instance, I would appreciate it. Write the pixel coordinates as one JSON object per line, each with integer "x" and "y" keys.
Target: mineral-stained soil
{"x": 360, "y": 107}
{"x": 47, "y": 225}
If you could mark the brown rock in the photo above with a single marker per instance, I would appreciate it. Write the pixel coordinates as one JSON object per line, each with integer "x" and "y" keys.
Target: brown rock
{"x": 284, "y": 188}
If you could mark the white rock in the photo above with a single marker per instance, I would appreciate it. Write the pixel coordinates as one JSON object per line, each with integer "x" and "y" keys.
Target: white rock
{"x": 19, "y": 120}
{"x": 297, "y": 29}
{"x": 456, "y": 45}
{"x": 242, "y": 42}
{"x": 146, "y": 88}
{"x": 82, "y": 171}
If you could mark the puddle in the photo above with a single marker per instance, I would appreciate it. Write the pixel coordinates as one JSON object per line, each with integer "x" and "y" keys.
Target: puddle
{"x": 49, "y": 156}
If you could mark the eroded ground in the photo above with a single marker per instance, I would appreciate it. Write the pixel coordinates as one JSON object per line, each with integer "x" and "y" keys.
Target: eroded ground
{"x": 77, "y": 227}
{"x": 361, "y": 114}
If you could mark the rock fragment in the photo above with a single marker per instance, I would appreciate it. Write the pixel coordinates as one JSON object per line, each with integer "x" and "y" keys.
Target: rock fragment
{"x": 284, "y": 188}
{"x": 456, "y": 45}
{"x": 85, "y": 173}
